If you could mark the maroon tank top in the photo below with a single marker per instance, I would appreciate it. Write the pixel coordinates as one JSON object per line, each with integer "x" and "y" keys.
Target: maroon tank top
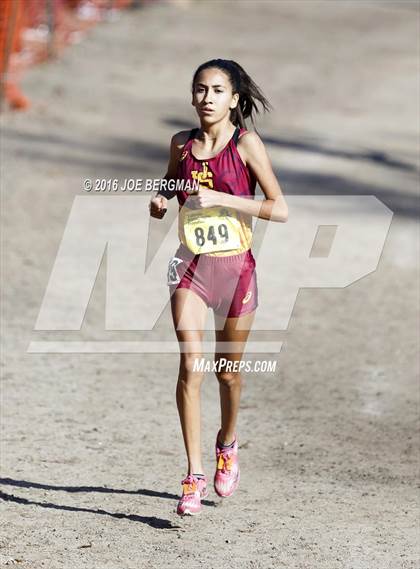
{"x": 224, "y": 172}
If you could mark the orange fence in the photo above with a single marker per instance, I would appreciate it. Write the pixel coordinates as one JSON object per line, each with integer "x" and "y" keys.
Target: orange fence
{"x": 32, "y": 31}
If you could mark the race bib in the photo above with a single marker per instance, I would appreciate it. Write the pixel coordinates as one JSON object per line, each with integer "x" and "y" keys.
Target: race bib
{"x": 212, "y": 229}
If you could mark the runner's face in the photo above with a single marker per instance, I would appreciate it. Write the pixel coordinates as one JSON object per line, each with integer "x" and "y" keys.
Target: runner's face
{"x": 212, "y": 96}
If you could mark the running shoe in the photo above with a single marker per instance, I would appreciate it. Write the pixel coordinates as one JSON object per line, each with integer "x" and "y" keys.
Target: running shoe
{"x": 193, "y": 490}
{"x": 226, "y": 478}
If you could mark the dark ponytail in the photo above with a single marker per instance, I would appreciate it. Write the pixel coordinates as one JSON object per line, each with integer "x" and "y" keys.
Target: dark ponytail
{"x": 249, "y": 92}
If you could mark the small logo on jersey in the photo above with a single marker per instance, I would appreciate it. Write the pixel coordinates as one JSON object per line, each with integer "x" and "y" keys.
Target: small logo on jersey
{"x": 247, "y": 297}
{"x": 204, "y": 177}
{"x": 184, "y": 154}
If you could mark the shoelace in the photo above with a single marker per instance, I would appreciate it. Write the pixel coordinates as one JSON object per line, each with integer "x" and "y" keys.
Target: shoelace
{"x": 189, "y": 486}
{"x": 225, "y": 461}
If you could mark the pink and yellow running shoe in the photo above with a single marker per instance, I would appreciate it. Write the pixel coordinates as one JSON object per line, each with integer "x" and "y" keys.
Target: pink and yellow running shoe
{"x": 226, "y": 478}
{"x": 193, "y": 490}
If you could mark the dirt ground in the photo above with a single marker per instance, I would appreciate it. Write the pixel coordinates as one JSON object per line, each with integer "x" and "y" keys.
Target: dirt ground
{"x": 92, "y": 454}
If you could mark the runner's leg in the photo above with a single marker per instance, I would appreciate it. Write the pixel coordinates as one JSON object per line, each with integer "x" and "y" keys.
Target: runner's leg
{"x": 230, "y": 381}
{"x": 189, "y": 314}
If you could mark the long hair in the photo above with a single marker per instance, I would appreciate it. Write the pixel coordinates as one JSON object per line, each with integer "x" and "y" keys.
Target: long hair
{"x": 249, "y": 92}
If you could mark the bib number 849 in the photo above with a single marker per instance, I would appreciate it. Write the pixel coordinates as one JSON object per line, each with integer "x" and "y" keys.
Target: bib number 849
{"x": 222, "y": 230}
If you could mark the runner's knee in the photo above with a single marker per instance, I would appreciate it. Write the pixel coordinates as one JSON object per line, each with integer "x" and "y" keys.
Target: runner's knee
{"x": 189, "y": 364}
{"x": 228, "y": 378}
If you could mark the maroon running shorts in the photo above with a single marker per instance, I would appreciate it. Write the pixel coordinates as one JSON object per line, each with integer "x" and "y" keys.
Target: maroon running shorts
{"x": 227, "y": 284}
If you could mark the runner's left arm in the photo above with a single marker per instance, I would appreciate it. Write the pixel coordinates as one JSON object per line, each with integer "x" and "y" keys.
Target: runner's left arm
{"x": 273, "y": 207}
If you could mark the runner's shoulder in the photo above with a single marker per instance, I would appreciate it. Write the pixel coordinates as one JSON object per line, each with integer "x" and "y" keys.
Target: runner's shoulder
{"x": 180, "y": 138}
{"x": 250, "y": 139}
{"x": 250, "y": 144}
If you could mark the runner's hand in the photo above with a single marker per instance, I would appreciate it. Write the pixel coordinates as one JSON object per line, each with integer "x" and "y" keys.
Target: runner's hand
{"x": 205, "y": 198}
{"x": 158, "y": 206}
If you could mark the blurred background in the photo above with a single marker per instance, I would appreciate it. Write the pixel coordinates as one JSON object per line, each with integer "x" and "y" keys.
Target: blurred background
{"x": 32, "y": 31}
{"x": 96, "y": 90}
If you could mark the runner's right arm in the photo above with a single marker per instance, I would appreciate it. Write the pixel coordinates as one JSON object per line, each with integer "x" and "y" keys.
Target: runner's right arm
{"x": 158, "y": 203}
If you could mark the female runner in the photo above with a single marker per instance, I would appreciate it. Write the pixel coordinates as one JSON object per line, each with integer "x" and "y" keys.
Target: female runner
{"x": 214, "y": 266}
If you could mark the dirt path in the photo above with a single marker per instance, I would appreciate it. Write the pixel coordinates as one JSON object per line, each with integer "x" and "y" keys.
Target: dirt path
{"x": 92, "y": 454}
